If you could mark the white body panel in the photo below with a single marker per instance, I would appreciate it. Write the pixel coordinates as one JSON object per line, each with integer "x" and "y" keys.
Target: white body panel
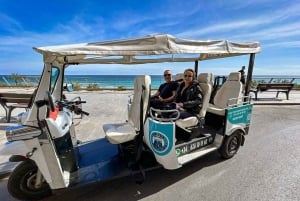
{"x": 44, "y": 157}
{"x": 160, "y": 138}
{"x": 61, "y": 125}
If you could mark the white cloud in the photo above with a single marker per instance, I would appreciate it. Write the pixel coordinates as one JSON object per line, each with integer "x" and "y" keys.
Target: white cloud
{"x": 288, "y": 44}
{"x": 220, "y": 28}
{"x": 257, "y": 23}
{"x": 273, "y": 35}
{"x": 9, "y": 24}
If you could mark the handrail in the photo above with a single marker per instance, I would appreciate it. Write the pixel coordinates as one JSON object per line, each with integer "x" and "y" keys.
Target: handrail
{"x": 244, "y": 100}
{"x": 159, "y": 111}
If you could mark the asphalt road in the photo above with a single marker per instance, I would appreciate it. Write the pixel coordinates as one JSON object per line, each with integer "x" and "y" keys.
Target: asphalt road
{"x": 267, "y": 168}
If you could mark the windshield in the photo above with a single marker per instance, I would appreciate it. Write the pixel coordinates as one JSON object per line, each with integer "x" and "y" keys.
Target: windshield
{"x": 54, "y": 77}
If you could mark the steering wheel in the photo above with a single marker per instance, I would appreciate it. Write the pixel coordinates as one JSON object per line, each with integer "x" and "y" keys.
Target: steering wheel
{"x": 49, "y": 101}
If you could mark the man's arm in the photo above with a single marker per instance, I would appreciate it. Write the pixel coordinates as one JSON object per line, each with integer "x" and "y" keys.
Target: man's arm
{"x": 157, "y": 93}
{"x": 169, "y": 99}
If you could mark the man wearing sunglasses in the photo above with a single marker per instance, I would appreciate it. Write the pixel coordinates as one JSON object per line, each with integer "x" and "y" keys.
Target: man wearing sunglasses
{"x": 166, "y": 92}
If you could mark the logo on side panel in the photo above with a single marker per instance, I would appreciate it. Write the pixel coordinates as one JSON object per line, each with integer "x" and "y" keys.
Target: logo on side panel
{"x": 159, "y": 142}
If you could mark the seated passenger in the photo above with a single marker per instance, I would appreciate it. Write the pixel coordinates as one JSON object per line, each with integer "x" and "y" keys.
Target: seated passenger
{"x": 189, "y": 96}
{"x": 165, "y": 94}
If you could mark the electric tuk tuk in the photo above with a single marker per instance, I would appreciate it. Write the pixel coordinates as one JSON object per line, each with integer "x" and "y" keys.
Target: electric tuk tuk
{"x": 50, "y": 156}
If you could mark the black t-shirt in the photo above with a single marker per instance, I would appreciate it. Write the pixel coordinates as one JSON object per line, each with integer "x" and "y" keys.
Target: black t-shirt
{"x": 167, "y": 88}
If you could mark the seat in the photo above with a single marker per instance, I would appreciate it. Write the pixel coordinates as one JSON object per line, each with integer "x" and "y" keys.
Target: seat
{"x": 179, "y": 77}
{"x": 206, "y": 83}
{"x": 124, "y": 132}
{"x": 205, "y": 80}
{"x": 229, "y": 94}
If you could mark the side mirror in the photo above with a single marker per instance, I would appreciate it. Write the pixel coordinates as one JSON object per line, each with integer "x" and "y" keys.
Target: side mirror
{"x": 68, "y": 87}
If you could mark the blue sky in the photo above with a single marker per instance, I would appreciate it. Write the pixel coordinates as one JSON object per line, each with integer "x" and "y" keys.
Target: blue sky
{"x": 274, "y": 23}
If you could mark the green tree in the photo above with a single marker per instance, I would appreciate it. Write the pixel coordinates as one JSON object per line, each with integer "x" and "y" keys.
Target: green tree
{"x": 93, "y": 87}
{"x": 16, "y": 78}
{"x": 121, "y": 88}
{"x": 76, "y": 86}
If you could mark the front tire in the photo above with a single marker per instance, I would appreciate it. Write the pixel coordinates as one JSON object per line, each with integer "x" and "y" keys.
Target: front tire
{"x": 231, "y": 145}
{"x": 21, "y": 183}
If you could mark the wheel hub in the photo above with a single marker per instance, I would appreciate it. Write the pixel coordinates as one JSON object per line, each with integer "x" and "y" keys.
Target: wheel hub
{"x": 31, "y": 182}
{"x": 233, "y": 145}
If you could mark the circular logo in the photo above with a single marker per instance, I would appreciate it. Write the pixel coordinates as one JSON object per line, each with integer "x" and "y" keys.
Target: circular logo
{"x": 159, "y": 142}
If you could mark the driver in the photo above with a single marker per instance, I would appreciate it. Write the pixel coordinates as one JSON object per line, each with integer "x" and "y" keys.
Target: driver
{"x": 165, "y": 94}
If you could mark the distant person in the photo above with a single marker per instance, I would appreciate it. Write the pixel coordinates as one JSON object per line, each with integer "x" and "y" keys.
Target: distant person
{"x": 242, "y": 71}
{"x": 189, "y": 96}
{"x": 166, "y": 92}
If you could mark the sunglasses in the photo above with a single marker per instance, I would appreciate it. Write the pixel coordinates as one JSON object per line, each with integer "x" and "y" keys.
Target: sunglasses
{"x": 167, "y": 75}
{"x": 188, "y": 76}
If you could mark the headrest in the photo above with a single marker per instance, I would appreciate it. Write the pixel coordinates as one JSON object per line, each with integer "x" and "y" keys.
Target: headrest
{"x": 205, "y": 77}
{"x": 234, "y": 76}
{"x": 179, "y": 76}
{"x": 212, "y": 79}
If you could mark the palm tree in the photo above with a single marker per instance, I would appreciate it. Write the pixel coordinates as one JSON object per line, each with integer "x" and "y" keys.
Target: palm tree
{"x": 16, "y": 78}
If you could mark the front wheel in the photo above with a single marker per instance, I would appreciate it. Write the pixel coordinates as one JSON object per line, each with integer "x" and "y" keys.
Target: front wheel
{"x": 22, "y": 183}
{"x": 231, "y": 145}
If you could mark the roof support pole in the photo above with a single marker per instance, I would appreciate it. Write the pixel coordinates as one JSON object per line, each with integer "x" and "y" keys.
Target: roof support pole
{"x": 196, "y": 69}
{"x": 249, "y": 74}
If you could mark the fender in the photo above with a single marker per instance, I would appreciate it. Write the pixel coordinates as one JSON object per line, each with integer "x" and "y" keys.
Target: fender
{"x": 235, "y": 128}
{"x": 14, "y": 148}
{"x": 241, "y": 129}
{"x": 17, "y": 158}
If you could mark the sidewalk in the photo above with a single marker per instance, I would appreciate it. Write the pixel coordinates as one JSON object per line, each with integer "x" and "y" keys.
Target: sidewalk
{"x": 111, "y": 114}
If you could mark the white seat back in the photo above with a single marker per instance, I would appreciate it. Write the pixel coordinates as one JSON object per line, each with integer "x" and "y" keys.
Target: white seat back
{"x": 123, "y": 132}
{"x": 179, "y": 76}
{"x": 232, "y": 88}
{"x": 212, "y": 81}
{"x": 141, "y": 91}
{"x": 205, "y": 80}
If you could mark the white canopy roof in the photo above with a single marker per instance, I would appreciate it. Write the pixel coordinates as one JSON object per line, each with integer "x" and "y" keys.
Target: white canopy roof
{"x": 148, "y": 49}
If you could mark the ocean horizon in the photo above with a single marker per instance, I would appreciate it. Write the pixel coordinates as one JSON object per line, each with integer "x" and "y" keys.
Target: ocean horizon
{"x": 124, "y": 81}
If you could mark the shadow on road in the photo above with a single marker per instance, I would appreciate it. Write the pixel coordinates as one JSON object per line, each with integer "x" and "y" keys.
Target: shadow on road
{"x": 127, "y": 189}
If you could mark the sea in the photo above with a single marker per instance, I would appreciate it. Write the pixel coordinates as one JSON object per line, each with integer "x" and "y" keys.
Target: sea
{"x": 124, "y": 81}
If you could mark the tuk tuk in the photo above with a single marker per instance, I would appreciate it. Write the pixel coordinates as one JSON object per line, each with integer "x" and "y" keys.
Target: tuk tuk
{"x": 50, "y": 156}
